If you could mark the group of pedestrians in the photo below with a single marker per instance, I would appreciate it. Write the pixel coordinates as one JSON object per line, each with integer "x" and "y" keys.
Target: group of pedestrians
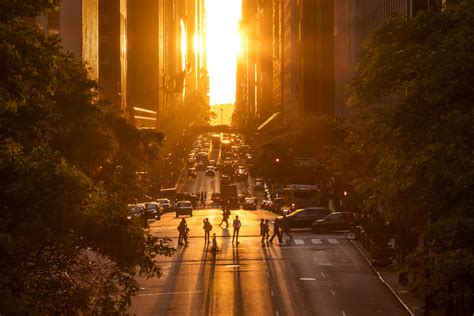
{"x": 278, "y": 230}
{"x": 202, "y": 198}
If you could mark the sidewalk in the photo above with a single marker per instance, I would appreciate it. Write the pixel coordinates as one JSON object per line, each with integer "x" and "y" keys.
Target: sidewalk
{"x": 389, "y": 277}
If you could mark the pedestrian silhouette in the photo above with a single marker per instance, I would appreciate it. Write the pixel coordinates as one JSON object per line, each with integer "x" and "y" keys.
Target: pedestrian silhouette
{"x": 276, "y": 230}
{"x": 183, "y": 232}
{"x": 285, "y": 227}
{"x": 214, "y": 248}
{"x": 236, "y": 224}
{"x": 207, "y": 229}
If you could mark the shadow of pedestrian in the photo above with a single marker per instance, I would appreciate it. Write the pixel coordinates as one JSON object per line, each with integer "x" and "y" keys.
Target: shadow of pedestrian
{"x": 238, "y": 297}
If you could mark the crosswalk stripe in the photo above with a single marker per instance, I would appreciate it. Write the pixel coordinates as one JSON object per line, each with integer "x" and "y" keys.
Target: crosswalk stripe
{"x": 333, "y": 241}
{"x": 316, "y": 241}
{"x": 299, "y": 242}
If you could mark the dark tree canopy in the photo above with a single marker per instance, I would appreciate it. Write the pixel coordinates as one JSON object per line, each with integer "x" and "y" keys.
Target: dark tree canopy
{"x": 413, "y": 125}
{"x": 67, "y": 170}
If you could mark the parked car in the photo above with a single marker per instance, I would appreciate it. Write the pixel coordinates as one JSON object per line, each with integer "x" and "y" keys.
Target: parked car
{"x": 165, "y": 204}
{"x": 136, "y": 210}
{"x": 250, "y": 203}
{"x": 336, "y": 221}
{"x": 153, "y": 210}
{"x": 184, "y": 208}
{"x": 304, "y": 218}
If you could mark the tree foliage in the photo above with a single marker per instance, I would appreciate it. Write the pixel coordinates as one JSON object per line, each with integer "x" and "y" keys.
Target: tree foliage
{"x": 67, "y": 170}
{"x": 411, "y": 137}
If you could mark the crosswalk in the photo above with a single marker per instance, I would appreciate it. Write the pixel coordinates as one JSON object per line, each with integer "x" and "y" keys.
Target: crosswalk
{"x": 255, "y": 242}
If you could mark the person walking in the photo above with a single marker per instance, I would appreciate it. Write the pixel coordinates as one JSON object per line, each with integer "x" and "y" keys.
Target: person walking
{"x": 267, "y": 231}
{"x": 225, "y": 217}
{"x": 214, "y": 248}
{"x": 276, "y": 230}
{"x": 285, "y": 229}
{"x": 207, "y": 230}
{"x": 262, "y": 230}
{"x": 236, "y": 224}
{"x": 182, "y": 227}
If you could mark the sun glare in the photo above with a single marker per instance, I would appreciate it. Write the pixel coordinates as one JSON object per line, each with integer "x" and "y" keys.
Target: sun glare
{"x": 223, "y": 46}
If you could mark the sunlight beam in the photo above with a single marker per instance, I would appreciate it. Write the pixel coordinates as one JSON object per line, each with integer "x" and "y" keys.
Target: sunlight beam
{"x": 223, "y": 46}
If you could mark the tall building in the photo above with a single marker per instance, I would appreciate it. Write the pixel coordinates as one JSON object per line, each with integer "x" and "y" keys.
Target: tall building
{"x": 113, "y": 52}
{"x": 306, "y": 58}
{"x": 264, "y": 59}
{"x": 166, "y": 57}
{"x": 354, "y": 21}
{"x": 143, "y": 62}
{"x": 246, "y": 98}
{"x": 77, "y": 22}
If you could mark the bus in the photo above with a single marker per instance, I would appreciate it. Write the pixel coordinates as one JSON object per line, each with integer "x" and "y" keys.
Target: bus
{"x": 298, "y": 196}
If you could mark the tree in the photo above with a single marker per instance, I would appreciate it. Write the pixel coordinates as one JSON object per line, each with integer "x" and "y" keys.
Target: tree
{"x": 413, "y": 126}
{"x": 67, "y": 169}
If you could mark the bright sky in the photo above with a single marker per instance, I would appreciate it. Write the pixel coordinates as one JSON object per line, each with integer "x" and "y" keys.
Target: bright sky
{"x": 223, "y": 46}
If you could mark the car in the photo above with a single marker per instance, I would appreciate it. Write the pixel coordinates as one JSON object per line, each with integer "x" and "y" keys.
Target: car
{"x": 212, "y": 163}
{"x": 241, "y": 174}
{"x": 184, "y": 208}
{"x": 336, "y": 221}
{"x": 250, "y": 203}
{"x": 137, "y": 210}
{"x": 241, "y": 198}
{"x": 165, "y": 204}
{"x": 210, "y": 171}
{"x": 153, "y": 210}
{"x": 191, "y": 161}
{"x": 216, "y": 197}
{"x": 225, "y": 179}
{"x": 267, "y": 205}
{"x": 200, "y": 166}
{"x": 259, "y": 185}
{"x": 304, "y": 218}
{"x": 192, "y": 172}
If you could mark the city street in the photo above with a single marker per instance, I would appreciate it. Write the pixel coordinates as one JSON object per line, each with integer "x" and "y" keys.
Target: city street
{"x": 310, "y": 275}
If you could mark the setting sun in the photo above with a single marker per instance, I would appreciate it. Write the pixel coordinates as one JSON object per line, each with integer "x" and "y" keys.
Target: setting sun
{"x": 223, "y": 45}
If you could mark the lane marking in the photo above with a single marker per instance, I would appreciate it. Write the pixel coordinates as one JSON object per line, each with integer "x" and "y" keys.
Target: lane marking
{"x": 333, "y": 241}
{"x": 316, "y": 241}
{"x": 268, "y": 275}
{"x": 271, "y": 293}
{"x": 307, "y": 279}
{"x": 299, "y": 241}
{"x": 276, "y": 313}
{"x": 343, "y": 313}
{"x": 232, "y": 266}
{"x": 169, "y": 293}
{"x": 322, "y": 274}
{"x": 333, "y": 293}
{"x": 315, "y": 260}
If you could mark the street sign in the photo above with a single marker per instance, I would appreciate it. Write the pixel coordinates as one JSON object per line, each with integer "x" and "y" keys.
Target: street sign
{"x": 305, "y": 162}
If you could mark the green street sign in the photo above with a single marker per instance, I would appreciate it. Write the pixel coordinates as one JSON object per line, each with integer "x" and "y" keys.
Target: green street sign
{"x": 305, "y": 162}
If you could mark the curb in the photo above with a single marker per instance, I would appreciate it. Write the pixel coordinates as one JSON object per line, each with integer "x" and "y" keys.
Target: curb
{"x": 394, "y": 293}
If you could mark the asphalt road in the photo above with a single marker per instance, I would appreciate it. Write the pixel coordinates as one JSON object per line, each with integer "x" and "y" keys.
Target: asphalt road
{"x": 309, "y": 275}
